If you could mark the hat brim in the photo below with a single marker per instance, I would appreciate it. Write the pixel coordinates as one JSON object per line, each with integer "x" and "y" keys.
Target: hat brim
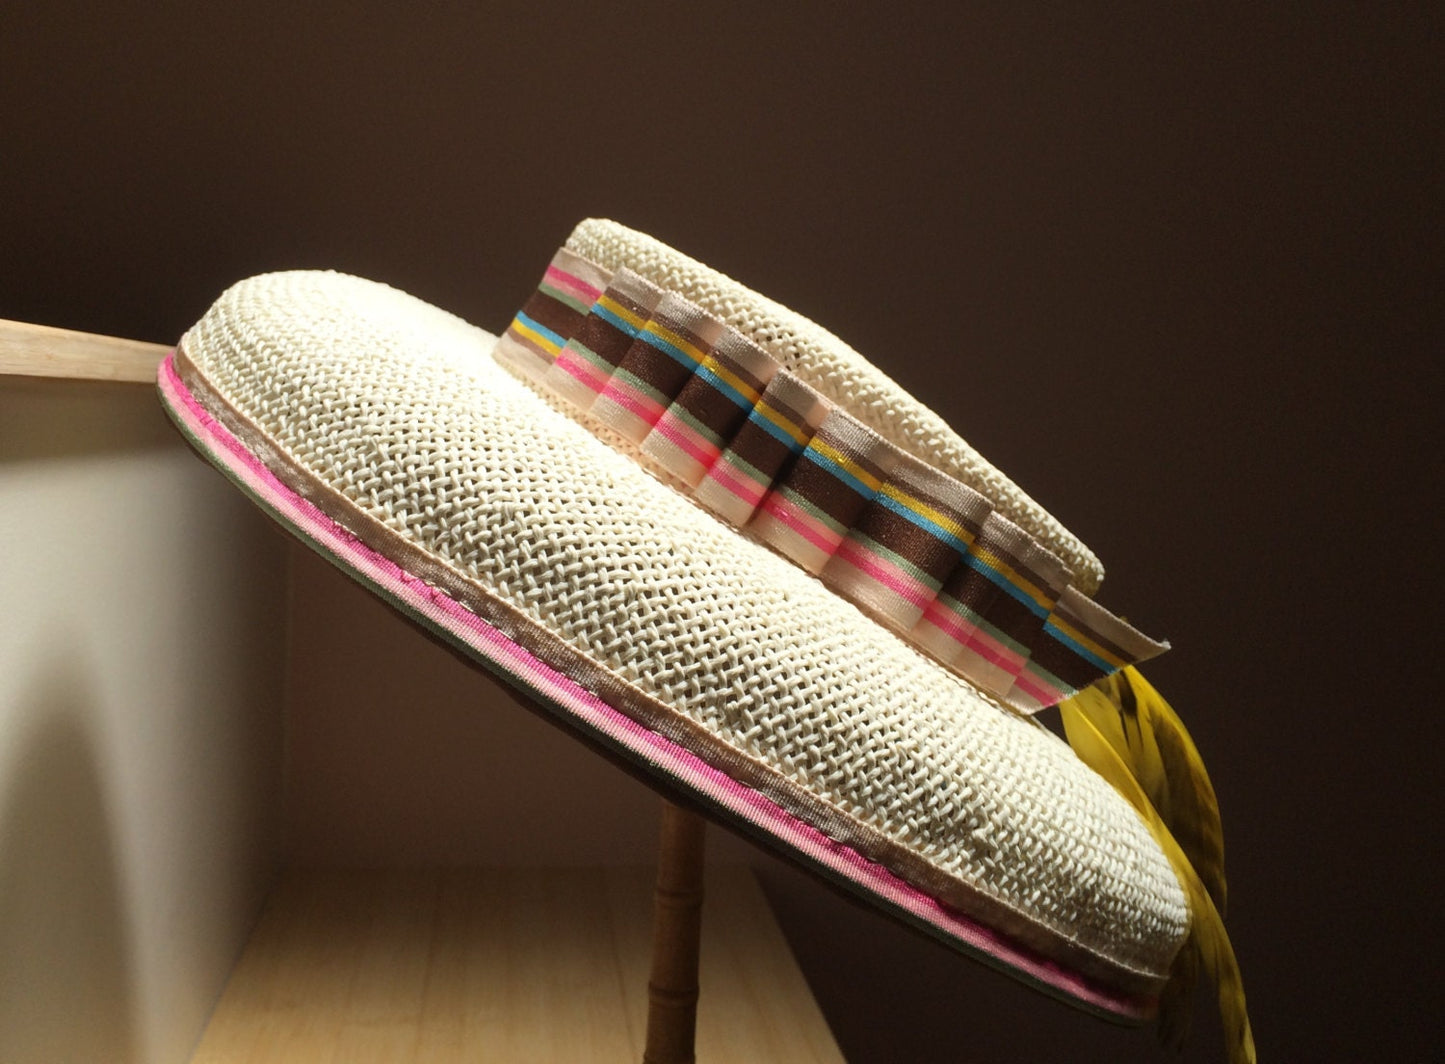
{"x": 758, "y": 794}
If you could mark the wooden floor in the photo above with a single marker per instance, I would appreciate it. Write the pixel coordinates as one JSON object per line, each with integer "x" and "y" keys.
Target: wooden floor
{"x": 505, "y": 965}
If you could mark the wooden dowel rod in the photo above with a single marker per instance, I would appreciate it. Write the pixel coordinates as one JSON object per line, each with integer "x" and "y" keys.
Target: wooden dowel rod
{"x": 41, "y": 351}
{"x": 676, "y": 927}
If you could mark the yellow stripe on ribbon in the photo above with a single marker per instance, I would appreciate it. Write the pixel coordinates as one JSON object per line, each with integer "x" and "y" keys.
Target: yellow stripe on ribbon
{"x": 836, "y": 456}
{"x": 663, "y": 333}
{"x": 929, "y": 513}
{"x": 537, "y": 338}
{"x": 782, "y": 421}
{"x": 637, "y": 321}
{"x": 1082, "y": 638}
{"x": 731, "y": 379}
{"x": 1012, "y": 575}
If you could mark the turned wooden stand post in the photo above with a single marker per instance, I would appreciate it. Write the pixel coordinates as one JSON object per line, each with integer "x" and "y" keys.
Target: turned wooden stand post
{"x": 676, "y": 923}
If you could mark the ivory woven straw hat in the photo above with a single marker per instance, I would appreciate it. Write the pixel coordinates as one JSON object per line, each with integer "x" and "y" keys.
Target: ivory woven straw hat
{"x": 708, "y": 535}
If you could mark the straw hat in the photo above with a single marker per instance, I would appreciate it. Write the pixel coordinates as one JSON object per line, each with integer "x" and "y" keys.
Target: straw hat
{"x": 709, "y": 536}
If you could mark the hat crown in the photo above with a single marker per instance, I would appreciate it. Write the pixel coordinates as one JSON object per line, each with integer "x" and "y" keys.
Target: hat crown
{"x": 839, "y": 373}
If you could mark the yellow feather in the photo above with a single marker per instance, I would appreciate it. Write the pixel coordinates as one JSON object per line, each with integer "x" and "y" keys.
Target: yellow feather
{"x": 1145, "y": 731}
{"x": 1190, "y": 808}
{"x": 1124, "y": 730}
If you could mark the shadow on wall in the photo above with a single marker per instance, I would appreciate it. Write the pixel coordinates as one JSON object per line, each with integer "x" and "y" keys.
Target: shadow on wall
{"x": 891, "y": 993}
{"x": 65, "y": 980}
{"x": 49, "y": 419}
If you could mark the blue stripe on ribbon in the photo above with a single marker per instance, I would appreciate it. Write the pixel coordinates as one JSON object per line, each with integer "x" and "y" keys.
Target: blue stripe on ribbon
{"x": 766, "y": 424}
{"x": 723, "y": 386}
{"x": 813, "y": 455}
{"x": 677, "y": 354}
{"x": 1082, "y": 651}
{"x": 620, "y": 324}
{"x": 538, "y": 327}
{"x": 936, "y": 530}
{"x": 978, "y": 565}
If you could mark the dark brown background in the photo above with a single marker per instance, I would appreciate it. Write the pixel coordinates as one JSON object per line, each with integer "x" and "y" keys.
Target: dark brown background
{"x": 1171, "y": 268}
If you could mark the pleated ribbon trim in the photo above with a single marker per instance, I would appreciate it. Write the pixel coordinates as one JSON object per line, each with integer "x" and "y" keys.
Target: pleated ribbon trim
{"x": 920, "y": 551}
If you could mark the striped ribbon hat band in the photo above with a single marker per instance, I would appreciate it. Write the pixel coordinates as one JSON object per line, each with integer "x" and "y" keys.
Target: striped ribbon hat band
{"x": 920, "y": 551}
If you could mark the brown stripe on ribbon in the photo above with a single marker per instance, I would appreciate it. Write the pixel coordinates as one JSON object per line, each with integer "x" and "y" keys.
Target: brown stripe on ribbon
{"x": 586, "y": 364}
{"x": 946, "y": 517}
{"x": 813, "y": 476}
{"x": 606, "y": 340}
{"x": 713, "y": 408}
{"x": 819, "y": 498}
{"x": 1035, "y": 566}
{"x": 1116, "y": 636}
{"x": 978, "y": 596}
{"x": 553, "y": 313}
{"x": 648, "y": 378}
{"x": 688, "y": 438}
{"x": 529, "y": 354}
{"x": 755, "y": 456}
{"x": 1061, "y": 662}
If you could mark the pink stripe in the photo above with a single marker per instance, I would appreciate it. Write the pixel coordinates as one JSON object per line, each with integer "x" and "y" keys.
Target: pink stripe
{"x": 685, "y": 439}
{"x": 652, "y": 746}
{"x": 572, "y": 284}
{"x": 884, "y": 572}
{"x": 633, "y": 401}
{"x": 808, "y": 527}
{"x": 1036, "y": 689}
{"x": 578, "y": 367}
{"x": 740, "y": 484}
{"x": 948, "y": 622}
{"x": 995, "y": 653}
{"x": 970, "y": 637}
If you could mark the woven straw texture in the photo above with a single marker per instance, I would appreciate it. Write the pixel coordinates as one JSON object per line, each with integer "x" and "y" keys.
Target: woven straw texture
{"x": 400, "y": 407}
{"x": 838, "y": 372}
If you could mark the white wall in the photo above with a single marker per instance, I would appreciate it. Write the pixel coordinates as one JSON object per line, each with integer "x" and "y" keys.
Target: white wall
{"x": 141, "y": 654}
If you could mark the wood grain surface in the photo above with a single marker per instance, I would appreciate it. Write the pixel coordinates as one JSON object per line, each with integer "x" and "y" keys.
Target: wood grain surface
{"x": 501, "y": 965}
{"x": 42, "y": 351}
